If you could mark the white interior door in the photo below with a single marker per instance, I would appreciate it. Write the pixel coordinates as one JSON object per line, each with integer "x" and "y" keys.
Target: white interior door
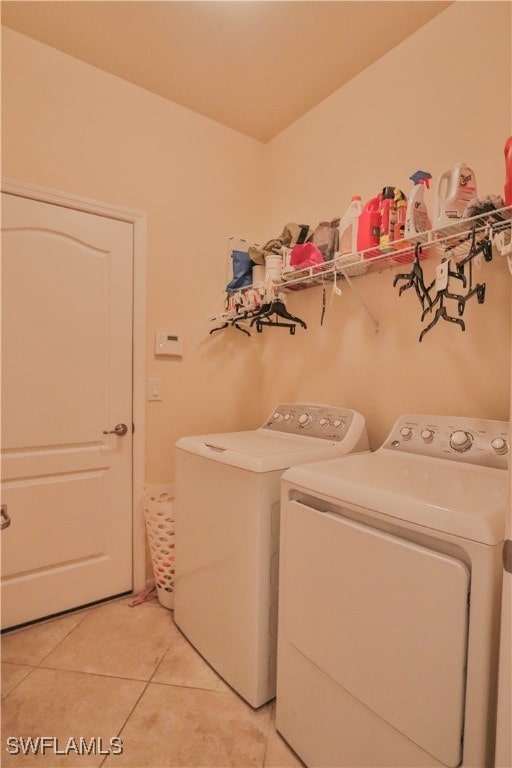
{"x": 67, "y": 285}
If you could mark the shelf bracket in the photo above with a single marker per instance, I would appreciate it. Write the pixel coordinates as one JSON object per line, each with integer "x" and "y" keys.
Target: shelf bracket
{"x": 365, "y": 306}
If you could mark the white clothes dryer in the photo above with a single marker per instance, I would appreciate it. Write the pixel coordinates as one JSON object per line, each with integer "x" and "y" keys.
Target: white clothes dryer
{"x": 390, "y": 589}
{"x": 227, "y": 499}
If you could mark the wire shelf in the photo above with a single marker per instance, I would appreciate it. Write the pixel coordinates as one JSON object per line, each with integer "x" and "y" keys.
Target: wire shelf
{"x": 452, "y": 240}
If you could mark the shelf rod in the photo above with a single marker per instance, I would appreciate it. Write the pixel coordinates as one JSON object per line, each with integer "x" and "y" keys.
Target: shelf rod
{"x": 365, "y": 306}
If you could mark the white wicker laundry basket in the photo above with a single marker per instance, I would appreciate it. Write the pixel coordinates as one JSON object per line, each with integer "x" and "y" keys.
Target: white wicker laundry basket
{"x": 159, "y": 517}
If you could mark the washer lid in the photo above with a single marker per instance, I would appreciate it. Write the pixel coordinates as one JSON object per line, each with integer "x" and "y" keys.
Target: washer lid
{"x": 259, "y": 450}
{"x": 460, "y": 499}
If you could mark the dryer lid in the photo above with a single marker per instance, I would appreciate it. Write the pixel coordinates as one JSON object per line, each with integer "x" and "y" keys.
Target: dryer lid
{"x": 460, "y": 499}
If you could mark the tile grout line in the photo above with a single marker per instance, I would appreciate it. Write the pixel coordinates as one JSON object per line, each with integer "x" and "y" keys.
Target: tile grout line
{"x": 132, "y": 710}
{"x": 38, "y": 664}
{"x": 32, "y": 669}
{"x": 130, "y": 713}
{"x": 62, "y": 639}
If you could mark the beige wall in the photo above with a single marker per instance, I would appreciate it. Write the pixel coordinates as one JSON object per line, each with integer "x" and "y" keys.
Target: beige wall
{"x": 441, "y": 97}
{"x": 71, "y": 127}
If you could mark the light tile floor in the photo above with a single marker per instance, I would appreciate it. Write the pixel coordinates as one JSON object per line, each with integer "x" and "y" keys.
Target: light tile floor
{"x": 127, "y": 672}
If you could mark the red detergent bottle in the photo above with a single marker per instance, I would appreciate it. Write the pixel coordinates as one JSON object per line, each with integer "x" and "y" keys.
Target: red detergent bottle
{"x": 508, "y": 171}
{"x": 368, "y": 230}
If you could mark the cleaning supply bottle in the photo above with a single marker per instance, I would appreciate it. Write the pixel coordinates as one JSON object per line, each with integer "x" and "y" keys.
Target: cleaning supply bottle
{"x": 399, "y": 226}
{"x": 400, "y": 211}
{"x": 416, "y": 216}
{"x": 387, "y": 216}
{"x": 508, "y": 172}
{"x": 349, "y": 224}
{"x": 455, "y": 188}
{"x": 393, "y": 204}
{"x": 368, "y": 231}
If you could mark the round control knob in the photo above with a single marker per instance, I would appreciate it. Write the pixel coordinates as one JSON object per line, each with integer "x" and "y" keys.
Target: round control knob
{"x": 324, "y": 422}
{"x": 337, "y": 423}
{"x": 305, "y": 419}
{"x": 277, "y": 416}
{"x": 427, "y": 435}
{"x": 288, "y": 417}
{"x": 406, "y": 433}
{"x": 460, "y": 440}
{"x": 499, "y": 445}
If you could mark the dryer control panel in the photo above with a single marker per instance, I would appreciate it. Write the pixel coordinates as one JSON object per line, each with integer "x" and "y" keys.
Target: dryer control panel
{"x": 473, "y": 441}
{"x": 327, "y": 422}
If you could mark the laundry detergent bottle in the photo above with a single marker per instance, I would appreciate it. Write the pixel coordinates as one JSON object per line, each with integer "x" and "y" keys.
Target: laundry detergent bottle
{"x": 416, "y": 216}
{"x": 368, "y": 231}
{"x": 349, "y": 226}
{"x": 455, "y": 188}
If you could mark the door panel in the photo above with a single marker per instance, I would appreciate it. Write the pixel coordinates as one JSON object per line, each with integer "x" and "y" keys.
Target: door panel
{"x": 71, "y": 499}
{"x": 384, "y": 618}
{"x": 66, "y": 379}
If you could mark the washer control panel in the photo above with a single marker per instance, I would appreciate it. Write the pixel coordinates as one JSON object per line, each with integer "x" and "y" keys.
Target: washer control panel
{"x": 474, "y": 441}
{"x": 328, "y": 422}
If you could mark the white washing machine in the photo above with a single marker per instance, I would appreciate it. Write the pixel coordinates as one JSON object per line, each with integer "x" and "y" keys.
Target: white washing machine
{"x": 227, "y": 534}
{"x": 389, "y": 600}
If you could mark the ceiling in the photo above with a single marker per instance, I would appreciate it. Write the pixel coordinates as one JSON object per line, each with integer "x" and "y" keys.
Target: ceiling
{"x": 252, "y": 65}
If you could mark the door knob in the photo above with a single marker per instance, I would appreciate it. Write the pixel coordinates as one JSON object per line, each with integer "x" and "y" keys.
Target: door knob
{"x": 119, "y": 429}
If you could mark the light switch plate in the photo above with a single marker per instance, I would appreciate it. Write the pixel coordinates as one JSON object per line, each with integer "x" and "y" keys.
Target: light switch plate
{"x": 154, "y": 389}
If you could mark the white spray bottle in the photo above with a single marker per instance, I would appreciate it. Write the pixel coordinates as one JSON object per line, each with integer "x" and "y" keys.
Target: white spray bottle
{"x": 416, "y": 216}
